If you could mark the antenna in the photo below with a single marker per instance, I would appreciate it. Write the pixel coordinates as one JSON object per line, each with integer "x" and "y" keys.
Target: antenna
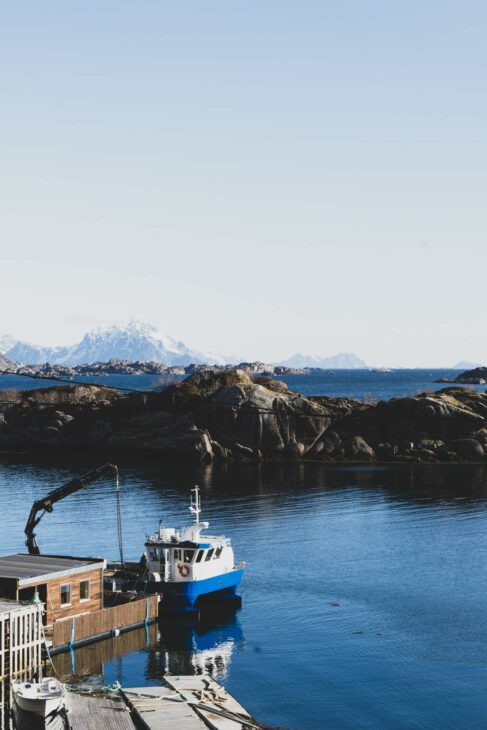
{"x": 195, "y": 507}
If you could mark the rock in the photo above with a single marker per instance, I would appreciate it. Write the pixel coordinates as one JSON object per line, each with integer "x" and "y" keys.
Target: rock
{"x": 357, "y": 448}
{"x": 476, "y": 376}
{"x": 275, "y": 385}
{"x": 467, "y": 448}
{"x": 228, "y": 415}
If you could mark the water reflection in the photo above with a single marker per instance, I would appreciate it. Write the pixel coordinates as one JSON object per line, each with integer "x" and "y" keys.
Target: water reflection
{"x": 143, "y": 656}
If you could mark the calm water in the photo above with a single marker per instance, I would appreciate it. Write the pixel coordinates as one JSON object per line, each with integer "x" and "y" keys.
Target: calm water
{"x": 364, "y": 599}
{"x": 355, "y": 383}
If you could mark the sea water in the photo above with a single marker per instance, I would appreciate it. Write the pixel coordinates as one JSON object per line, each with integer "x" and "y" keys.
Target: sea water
{"x": 362, "y": 384}
{"x": 364, "y": 596}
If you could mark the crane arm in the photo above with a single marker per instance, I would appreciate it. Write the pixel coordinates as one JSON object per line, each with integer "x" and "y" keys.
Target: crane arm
{"x": 46, "y": 504}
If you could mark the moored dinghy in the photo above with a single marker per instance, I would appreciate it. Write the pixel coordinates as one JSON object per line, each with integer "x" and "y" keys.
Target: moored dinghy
{"x": 44, "y": 699}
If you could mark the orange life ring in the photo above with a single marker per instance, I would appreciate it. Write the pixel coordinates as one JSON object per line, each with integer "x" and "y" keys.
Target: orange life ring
{"x": 183, "y": 571}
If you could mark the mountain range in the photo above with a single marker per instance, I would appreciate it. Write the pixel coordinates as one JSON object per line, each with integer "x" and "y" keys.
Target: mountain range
{"x": 141, "y": 341}
{"x": 136, "y": 341}
{"x": 344, "y": 360}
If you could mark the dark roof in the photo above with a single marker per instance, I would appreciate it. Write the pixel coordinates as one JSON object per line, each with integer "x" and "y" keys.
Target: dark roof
{"x": 24, "y": 566}
{"x": 6, "y": 606}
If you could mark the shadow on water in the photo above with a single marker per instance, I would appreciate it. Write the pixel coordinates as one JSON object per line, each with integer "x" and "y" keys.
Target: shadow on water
{"x": 399, "y": 481}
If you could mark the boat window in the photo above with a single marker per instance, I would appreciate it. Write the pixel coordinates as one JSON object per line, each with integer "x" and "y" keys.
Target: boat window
{"x": 153, "y": 554}
{"x": 199, "y": 556}
{"x": 209, "y": 554}
{"x": 66, "y": 595}
{"x": 84, "y": 590}
{"x": 177, "y": 554}
{"x": 218, "y": 552}
{"x": 188, "y": 556}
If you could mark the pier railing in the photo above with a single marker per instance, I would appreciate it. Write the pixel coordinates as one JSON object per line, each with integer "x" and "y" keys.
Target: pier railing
{"x": 71, "y": 631}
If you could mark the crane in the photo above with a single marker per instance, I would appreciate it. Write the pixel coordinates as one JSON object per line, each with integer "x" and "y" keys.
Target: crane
{"x": 47, "y": 503}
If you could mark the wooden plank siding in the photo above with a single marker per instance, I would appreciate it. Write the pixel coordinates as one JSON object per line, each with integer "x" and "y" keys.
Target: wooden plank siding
{"x": 54, "y": 609}
{"x": 105, "y": 620}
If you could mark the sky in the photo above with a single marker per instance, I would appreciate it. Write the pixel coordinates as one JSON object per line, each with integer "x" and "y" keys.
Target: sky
{"x": 256, "y": 178}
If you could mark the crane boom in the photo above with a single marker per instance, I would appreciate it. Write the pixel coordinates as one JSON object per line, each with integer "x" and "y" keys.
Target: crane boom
{"x": 46, "y": 504}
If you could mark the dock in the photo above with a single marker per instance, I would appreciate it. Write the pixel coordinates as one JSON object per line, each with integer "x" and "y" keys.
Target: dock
{"x": 95, "y": 713}
{"x": 187, "y": 703}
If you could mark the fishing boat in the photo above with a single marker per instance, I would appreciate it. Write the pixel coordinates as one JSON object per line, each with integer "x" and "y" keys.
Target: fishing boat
{"x": 185, "y": 565}
{"x": 44, "y": 699}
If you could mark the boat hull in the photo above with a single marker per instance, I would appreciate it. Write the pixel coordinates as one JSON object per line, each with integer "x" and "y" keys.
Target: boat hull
{"x": 40, "y": 707}
{"x": 185, "y": 594}
{"x": 30, "y": 721}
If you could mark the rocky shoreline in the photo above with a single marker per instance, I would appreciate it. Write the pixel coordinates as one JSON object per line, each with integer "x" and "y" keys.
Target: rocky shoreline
{"x": 117, "y": 366}
{"x": 229, "y": 415}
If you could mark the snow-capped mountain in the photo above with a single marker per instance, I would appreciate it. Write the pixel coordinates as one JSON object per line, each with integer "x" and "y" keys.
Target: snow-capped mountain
{"x": 136, "y": 341}
{"x": 344, "y": 361}
{"x": 6, "y": 342}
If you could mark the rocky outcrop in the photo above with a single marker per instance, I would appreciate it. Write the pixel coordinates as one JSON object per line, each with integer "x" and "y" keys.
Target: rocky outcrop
{"x": 229, "y": 415}
{"x": 477, "y": 376}
{"x": 116, "y": 366}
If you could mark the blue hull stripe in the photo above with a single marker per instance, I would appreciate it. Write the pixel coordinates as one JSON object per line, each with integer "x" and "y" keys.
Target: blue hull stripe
{"x": 186, "y": 593}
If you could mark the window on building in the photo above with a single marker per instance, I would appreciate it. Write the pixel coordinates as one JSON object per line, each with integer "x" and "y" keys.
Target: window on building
{"x": 209, "y": 554}
{"x": 66, "y": 595}
{"x": 84, "y": 590}
{"x": 188, "y": 556}
{"x": 199, "y": 556}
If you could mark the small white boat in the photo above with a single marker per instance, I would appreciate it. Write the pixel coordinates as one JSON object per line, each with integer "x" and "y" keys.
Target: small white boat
{"x": 44, "y": 698}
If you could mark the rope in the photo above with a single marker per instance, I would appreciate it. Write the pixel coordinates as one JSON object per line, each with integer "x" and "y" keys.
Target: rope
{"x": 119, "y": 517}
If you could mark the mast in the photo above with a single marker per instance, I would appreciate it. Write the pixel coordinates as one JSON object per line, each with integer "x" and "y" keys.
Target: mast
{"x": 195, "y": 507}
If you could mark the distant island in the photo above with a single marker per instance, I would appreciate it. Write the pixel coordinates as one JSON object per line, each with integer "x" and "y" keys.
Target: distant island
{"x": 222, "y": 415}
{"x": 140, "y": 367}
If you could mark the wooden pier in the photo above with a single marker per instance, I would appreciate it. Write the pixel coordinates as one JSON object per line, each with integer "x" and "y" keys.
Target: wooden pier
{"x": 187, "y": 703}
{"x": 98, "y": 713}
{"x": 181, "y": 703}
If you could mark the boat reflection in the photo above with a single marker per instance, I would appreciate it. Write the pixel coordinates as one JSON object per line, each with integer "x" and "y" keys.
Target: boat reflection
{"x": 204, "y": 648}
{"x": 152, "y": 652}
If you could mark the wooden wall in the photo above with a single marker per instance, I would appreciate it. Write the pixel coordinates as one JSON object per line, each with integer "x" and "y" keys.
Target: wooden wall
{"x": 94, "y": 624}
{"x": 53, "y": 607}
{"x": 54, "y": 610}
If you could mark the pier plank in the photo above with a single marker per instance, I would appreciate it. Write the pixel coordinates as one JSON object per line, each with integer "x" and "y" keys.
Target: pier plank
{"x": 95, "y": 713}
{"x": 187, "y": 702}
{"x": 161, "y": 708}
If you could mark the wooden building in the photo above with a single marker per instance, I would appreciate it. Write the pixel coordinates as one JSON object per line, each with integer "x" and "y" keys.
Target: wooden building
{"x": 67, "y": 586}
{"x": 20, "y": 637}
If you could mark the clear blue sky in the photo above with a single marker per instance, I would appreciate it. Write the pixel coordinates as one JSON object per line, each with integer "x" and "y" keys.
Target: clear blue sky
{"x": 257, "y": 177}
